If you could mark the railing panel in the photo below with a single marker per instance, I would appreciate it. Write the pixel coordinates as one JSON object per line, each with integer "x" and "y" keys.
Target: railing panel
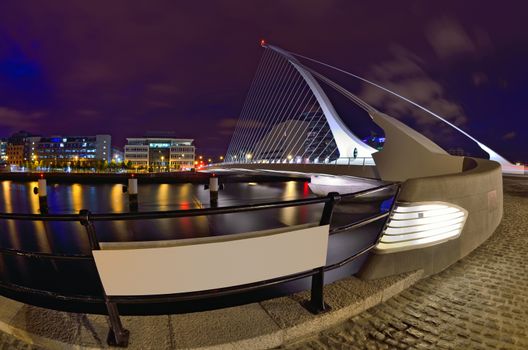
{"x": 189, "y": 268}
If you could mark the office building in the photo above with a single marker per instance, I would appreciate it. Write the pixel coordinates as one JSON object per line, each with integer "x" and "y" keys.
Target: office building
{"x": 3, "y": 150}
{"x": 60, "y": 149}
{"x": 160, "y": 153}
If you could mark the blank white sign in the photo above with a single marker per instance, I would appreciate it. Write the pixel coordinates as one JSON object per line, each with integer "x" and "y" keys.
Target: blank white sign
{"x": 190, "y": 268}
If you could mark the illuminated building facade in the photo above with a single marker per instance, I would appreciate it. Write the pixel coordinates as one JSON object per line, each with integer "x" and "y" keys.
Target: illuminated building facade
{"x": 3, "y": 150}
{"x": 60, "y": 149}
{"x": 17, "y": 149}
{"x": 160, "y": 153}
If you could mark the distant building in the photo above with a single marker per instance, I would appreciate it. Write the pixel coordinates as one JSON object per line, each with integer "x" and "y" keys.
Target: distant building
{"x": 60, "y": 149}
{"x": 160, "y": 153}
{"x": 375, "y": 142}
{"x": 15, "y": 154}
{"x": 3, "y": 150}
{"x": 18, "y": 150}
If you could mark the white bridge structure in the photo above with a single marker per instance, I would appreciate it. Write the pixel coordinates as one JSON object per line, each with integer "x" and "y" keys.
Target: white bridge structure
{"x": 447, "y": 205}
{"x": 288, "y": 118}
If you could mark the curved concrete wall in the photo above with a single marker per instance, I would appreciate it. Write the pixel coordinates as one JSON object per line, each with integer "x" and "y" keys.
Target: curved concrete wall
{"x": 477, "y": 189}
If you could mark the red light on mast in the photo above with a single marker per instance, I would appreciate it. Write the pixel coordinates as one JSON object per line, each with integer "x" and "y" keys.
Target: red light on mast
{"x": 263, "y": 42}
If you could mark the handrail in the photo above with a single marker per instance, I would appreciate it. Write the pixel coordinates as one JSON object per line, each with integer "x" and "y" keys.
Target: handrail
{"x": 119, "y": 335}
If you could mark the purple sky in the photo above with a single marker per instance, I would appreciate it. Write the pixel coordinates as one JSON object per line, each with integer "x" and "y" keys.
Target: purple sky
{"x": 127, "y": 67}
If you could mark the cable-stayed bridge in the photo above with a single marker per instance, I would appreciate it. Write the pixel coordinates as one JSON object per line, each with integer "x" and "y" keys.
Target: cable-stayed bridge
{"x": 287, "y": 118}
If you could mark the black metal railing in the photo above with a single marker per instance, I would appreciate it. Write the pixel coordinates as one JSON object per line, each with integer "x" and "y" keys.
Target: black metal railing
{"x": 118, "y": 335}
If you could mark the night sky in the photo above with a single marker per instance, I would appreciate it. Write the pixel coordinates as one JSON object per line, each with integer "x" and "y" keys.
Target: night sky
{"x": 128, "y": 67}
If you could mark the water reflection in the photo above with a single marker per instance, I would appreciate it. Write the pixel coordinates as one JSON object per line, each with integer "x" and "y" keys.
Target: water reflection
{"x": 71, "y": 237}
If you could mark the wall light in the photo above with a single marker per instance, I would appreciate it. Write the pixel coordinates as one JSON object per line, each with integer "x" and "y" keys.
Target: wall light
{"x": 418, "y": 225}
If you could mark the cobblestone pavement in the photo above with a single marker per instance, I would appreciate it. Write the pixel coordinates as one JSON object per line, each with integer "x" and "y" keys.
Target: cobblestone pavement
{"x": 8, "y": 342}
{"x": 481, "y": 302}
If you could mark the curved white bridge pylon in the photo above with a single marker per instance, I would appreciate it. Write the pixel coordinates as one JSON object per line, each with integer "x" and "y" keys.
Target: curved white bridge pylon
{"x": 288, "y": 118}
{"x": 507, "y": 166}
{"x": 348, "y": 144}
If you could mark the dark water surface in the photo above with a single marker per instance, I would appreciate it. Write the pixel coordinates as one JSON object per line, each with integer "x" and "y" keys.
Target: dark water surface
{"x": 70, "y": 237}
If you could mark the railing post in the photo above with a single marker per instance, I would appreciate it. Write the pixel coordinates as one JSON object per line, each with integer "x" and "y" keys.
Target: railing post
{"x": 90, "y": 228}
{"x": 117, "y": 335}
{"x": 326, "y": 217}
{"x": 316, "y": 305}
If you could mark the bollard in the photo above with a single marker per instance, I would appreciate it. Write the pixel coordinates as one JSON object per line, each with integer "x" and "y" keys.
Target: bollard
{"x": 213, "y": 190}
{"x": 42, "y": 195}
{"x": 133, "y": 203}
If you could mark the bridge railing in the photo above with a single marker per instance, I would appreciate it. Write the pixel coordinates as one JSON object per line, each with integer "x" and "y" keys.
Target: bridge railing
{"x": 359, "y": 161}
{"x": 118, "y": 335}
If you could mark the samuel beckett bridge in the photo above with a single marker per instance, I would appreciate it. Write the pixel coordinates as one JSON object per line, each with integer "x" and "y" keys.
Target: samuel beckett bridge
{"x": 288, "y": 118}
{"x": 364, "y": 212}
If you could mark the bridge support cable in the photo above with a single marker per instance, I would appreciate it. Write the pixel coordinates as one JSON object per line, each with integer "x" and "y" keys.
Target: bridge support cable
{"x": 286, "y": 124}
{"x": 314, "y": 126}
{"x": 266, "y": 107}
{"x": 288, "y": 113}
{"x": 248, "y": 103}
{"x": 266, "y": 143}
{"x": 268, "y": 146}
{"x": 303, "y": 136}
{"x": 277, "y": 106}
{"x": 268, "y": 78}
{"x": 254, "y": 89}
{"x": 319, "y": 144}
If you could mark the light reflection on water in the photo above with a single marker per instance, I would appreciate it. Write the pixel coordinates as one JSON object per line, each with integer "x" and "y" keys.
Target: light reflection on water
{"x": 16, "y": 197}
{"x": 71, "y": 238}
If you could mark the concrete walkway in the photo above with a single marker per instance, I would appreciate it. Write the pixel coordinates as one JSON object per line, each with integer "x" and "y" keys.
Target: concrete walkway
{"x": 481, "y": 302}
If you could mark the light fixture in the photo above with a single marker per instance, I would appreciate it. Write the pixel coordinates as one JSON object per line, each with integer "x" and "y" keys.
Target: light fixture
{"x": 418, "y": 225}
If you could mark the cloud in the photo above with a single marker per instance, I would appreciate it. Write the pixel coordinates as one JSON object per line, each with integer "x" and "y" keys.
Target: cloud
{"x": 404, "y": 75}
{"x": 164, "y": 89}
{"x": 479, "y": 78}
{"x": 449, "y": 39}
{"x": 87, "y": 113}
{"x": 226, "y": 126}
{"x": 18, "y": 120}
{"x": 159, "y": 104}
{"x": 509, "y": 136}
